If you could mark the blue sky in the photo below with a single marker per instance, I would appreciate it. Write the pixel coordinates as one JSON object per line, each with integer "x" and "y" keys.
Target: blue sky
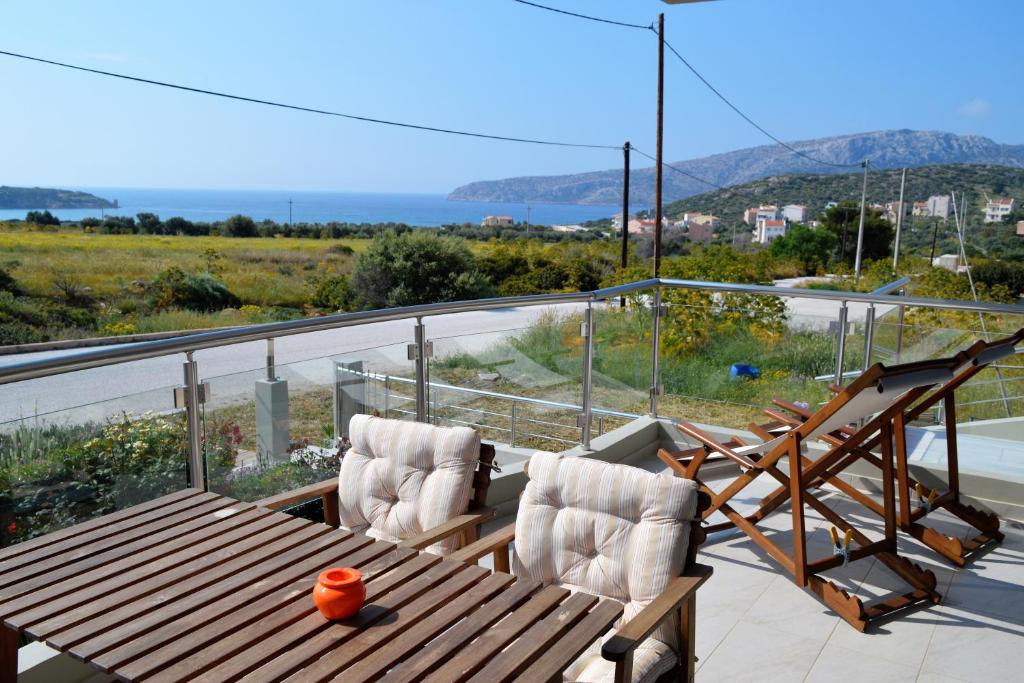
{"x": 802, "y": 68}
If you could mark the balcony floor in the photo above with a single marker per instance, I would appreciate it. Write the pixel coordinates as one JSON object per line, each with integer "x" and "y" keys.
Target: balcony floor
{"x": 755, "y": 624}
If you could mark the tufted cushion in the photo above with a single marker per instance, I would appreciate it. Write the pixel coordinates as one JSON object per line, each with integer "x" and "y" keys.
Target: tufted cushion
{"x": 609, "y": 530}
{"x": 402, "y": 478}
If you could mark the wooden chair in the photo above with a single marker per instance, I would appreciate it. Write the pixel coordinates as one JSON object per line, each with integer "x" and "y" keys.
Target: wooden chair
{"x": 420, "y": 485}
{"x": 619, "y": 533}
{"x": 916, "y": 501}
{"x": 874, "y": 400}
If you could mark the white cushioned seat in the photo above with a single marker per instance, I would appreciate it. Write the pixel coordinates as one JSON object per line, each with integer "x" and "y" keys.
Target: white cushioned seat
{"x": 402, "y": 478}
{"x": 609, "y": 530}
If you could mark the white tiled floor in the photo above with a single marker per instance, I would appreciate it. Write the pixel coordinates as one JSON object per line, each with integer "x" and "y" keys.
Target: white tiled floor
{"x": 755, "y": 624}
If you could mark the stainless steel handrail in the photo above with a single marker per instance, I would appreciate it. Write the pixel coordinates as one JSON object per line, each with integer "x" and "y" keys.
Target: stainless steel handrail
{"x": 45, "y": 367}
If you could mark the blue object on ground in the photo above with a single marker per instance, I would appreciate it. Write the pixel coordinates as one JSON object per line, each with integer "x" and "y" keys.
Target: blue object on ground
{"x": 742, "y": 370}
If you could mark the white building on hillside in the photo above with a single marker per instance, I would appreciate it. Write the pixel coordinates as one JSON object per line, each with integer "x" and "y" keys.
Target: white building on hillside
{"x": 769, "y": 229}
{"x": 794, "y": 213}
{"x": 996, "y": 210}
{"x": 939, "y": 206}
{"x": 495, "y": 221}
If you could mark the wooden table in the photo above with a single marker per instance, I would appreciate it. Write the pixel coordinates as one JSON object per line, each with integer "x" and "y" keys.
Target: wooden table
{"x": 199, "y": 587}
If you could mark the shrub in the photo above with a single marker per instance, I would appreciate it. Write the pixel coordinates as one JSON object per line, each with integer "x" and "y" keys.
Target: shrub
{"x": 198, "y": 292}
{"x": 239, "y": 226}
{"x": 41, "y": 218}
{"x": 7, "y": 283}
{"x": 417, "y": 267}
{"x": 332, "y": 292}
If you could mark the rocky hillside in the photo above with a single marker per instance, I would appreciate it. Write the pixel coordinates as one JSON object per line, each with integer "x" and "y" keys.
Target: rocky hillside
{"x": 45, "y": 198}
{"x": 885, "y": 149}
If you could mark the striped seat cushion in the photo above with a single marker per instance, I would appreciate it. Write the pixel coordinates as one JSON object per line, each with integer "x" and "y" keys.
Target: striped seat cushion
{"x": 402, "y": 478}
{"x": 609, "y": 530}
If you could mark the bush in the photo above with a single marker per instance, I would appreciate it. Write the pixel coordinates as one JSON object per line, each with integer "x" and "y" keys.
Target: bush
{"x": 331, "y": 292}
{"x": 198, "y": 292}
{"x": 239, "y": 226}
{"x": 7, "y": 283}
{"x": 41, "y": 218}
{"x": 417, "y": 267}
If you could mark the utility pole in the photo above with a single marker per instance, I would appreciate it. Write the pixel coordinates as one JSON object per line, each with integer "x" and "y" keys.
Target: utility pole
{"x": 658, "y": 143}
{"x": 625, "y": 213}
{"x": 935, "y": 236}
{"x": 860, "y": 230}
{"x": 899, "y": 224}
{"x": 289, "y": 212}
{"x": 528, "y": 207}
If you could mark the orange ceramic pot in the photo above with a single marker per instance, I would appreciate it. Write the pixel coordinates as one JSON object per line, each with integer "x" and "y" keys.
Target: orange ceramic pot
{"x": 339, "y": 593}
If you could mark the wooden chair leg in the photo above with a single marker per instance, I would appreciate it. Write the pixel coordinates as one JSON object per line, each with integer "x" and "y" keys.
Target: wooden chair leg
{"x": 688, "y": 640}
{"x": 9, "y": 654}
{"x": 331, "y": 516}
{"x": 501, "y": 563}
{"x": 624, "y": 669}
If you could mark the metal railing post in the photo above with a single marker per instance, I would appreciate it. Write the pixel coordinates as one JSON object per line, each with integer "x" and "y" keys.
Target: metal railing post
{"x": 587, "y": 332}
{"x": 655, "y": 389}
{"x": 869, "y": 336}
{"x": 841, "y": 345}
{"x": 387, "y": 395}
{"x": 421, "y": 371}
{"x": 196, "y": 461}
{"x": 271, "y": 371}
{"x": 512, "y": 429}
{"x": 900, "y": 310}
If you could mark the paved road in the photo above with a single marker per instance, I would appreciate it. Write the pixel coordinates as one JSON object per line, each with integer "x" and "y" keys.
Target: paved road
{"x": 302, "y": 359}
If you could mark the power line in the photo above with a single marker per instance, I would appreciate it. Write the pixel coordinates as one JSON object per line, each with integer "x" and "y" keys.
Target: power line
{"x": 750, "y": 120}
{"x": 703, "y": 80}
{"x": 584, "y": 16}
{"x": 310, "y": 110}
{"x": 677, "y": 170}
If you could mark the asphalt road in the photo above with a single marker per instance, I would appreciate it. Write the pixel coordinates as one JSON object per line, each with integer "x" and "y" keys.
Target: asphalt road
{"x": 302, "y": 359}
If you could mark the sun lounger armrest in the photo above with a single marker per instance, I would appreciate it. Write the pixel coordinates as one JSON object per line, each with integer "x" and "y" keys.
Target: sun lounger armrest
{"x": 626, "y": 639}
{"x": 469, "y": 521}
{"x": 327, "y": 489}
{"x": 496, "y": 543}
{"x": 799, "y": 411}
{"x": 710, "y": 442}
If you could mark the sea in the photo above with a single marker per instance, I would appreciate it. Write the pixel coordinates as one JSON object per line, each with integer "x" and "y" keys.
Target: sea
{"x": 423, "y": 210}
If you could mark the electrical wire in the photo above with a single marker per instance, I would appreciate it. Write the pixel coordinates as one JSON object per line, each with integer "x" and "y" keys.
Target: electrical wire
{"x": 750, "y": 120}
{"x": 677, "y": 170}
{"x": 584, "y": 16}
{"x": 311, "y": 110}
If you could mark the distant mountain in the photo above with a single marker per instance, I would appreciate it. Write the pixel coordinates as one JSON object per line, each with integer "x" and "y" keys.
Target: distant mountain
{"x": 45, "y": 198}
{"x": 815, "y": 191}
{"x": 885, "y": 149}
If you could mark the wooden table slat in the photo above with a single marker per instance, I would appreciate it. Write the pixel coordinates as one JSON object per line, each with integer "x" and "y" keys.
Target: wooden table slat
{"x": 113, "y": 576}
{"x": 161, "y": 640}
{"x": 333, "y": 660}
{"x": 299, "y": 638}
{"x": 513, "y": 660}
{"x": 156, "y": 608}
{"x": 81, "y": 560}
{"x": 551, "y": 663}
{"x": 233, "y": 530}
{"x": 97, "y": 538}
{"x": 382, "y": 658}
{"x": 95, "y": 523}
{"x": 456, "y": 637}
{"x": 248, "y": 638}
{"x": 64, "y": 631}
{"x": 467, "y": 661}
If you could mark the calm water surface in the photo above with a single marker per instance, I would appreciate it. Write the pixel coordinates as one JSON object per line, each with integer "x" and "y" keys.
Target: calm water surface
{"x": 320, "y": 207}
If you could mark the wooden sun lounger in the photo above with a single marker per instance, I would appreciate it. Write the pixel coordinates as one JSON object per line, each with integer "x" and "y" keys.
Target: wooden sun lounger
{"x": 877, "y": 397}
{"x": 916, "y": 501}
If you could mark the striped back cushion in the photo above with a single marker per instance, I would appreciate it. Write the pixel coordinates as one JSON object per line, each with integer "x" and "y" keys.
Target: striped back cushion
{"x": 402, "y": 478}
{"x": 609, "y": 530}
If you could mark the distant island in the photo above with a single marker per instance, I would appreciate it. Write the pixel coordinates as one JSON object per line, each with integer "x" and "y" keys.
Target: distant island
{"x": 46, "y": 198}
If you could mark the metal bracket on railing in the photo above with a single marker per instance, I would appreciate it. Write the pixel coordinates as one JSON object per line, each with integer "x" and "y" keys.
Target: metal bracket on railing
{"x": 413, "y": 351}
{"x": 180, "y": 396}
